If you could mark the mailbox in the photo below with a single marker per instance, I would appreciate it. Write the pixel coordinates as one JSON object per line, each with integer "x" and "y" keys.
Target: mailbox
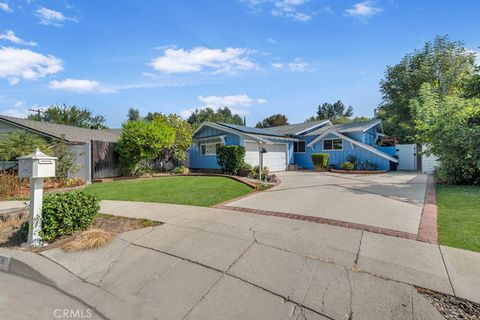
{"x": 36, "y": 165}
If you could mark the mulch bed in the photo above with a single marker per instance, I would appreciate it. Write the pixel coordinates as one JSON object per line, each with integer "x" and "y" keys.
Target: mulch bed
{"x": 452, "y": 308}
{"x": 10, "y": 238}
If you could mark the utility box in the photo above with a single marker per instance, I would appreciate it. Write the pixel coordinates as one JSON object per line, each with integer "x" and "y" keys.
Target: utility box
{"x": 36, "y": 165}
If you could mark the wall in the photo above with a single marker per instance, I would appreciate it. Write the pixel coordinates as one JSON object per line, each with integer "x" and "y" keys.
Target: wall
{"x": 429, "y": 163}
{"x": 196, "y": 160}
{"x": 337, "y": 157}
{"x": 83, "y": 161}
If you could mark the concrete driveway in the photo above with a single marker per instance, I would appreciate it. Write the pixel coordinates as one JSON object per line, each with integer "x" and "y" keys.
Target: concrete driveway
{"x": 391, "y": 201}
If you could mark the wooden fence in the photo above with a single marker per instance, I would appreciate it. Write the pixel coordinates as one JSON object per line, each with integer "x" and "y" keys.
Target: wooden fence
{"x": 105, "y": 160}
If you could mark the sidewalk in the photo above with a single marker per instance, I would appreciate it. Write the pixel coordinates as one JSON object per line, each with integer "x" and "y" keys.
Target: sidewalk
{"x": 207, "y": 263}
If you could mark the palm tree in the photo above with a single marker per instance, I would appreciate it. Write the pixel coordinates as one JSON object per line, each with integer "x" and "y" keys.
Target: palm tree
{"x": 20, "y": 143}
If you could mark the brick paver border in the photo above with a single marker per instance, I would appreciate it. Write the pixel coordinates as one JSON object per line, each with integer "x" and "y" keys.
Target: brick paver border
{"x": 332, "y": 222}
{"x": 427, "y": 231}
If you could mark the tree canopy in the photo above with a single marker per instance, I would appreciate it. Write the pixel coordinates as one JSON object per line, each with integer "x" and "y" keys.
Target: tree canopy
{"x": 20, "y": 143}
{"x": 70, "y": 115}
{"x": 335, "y": 112}
{"x": 275, "y": 120}
{"x": 142, "y": 141}
{"x": 133, "y": 114}
{"x": 450, "y": 126}
{"x": 445, "y": 65}
{"x": 224, "y": 115}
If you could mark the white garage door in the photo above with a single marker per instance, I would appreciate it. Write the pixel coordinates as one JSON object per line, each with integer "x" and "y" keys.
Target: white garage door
{"x": 275, "y": 158}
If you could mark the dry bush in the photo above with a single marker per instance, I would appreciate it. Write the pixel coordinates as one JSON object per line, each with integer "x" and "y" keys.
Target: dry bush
{"x": 9, "y": 183}
{"x": 89, "y": 239}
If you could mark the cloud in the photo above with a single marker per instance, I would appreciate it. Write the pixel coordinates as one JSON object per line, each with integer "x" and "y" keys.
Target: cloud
{"x": 9, "y": 35}
{"x": 198, "y": 59}
{"x": 363, "y": 10}
{"x": 298, "y": 65}
{"x": 19, "y": 110}
{"x": 17, "y": 64}
{"x": 283, "y": 8}
{"x": 238, "y": 104}
{"x": 81, "y": 86}
{"x": 51, "y": 17}
{"x": 272, "y": 41}
{"x": 277, "y": 65}
{"x": 5, "y": 7}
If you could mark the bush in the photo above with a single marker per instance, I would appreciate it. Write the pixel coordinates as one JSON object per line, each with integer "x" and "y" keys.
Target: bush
{"x": 180, "y": 170}
{"x": 320, "y": 160}
{"x": 370, "y": 166}
{"x": 9, "y": 183}
{"x": 347, "y": 165}
{"x": 231, "y": 159}
{"x": 255, "y": 171}
{"x": 64, "y": 213}
{"x": 353, "y": 160}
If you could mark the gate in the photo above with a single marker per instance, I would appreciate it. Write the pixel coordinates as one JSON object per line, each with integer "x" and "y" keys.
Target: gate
{"x": 105, "y": 160}
{"x": 407, "y": 157}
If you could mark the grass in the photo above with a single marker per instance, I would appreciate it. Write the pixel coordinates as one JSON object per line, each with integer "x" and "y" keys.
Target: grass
{"x": 459, "y": 216}
{"x": 197, "y": 191}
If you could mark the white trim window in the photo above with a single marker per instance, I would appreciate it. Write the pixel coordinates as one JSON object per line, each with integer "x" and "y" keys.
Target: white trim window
{"x": 299, "y": 147}
{"x": 333, "y": 144}
{"x": 209, "y": 149}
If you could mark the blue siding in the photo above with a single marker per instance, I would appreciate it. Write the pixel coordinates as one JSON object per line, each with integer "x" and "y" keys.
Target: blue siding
{"x": 198, "y": 161}
{"x": 369, "y": 137}
{"x": 337, "y": 157}
{"x": 390, "y": 150}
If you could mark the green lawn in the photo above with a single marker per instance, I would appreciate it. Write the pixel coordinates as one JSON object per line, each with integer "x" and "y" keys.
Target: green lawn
{"x": 197, "y": 191}
{"x": 459, "y": 216}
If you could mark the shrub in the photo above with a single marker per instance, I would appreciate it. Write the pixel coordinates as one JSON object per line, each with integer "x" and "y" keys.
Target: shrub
{"x": 231, "y": 159}
{"x": 9, "y": 183}
{"x": 320, "y": 160}
{"x": 64, "y": 213}
{"x": 353, "y": 160}
{"x": 370, "y": 165}
{"x": 180, "y": 170}
{"x": 347, "y": 165}
{"x": 255, "y": 171}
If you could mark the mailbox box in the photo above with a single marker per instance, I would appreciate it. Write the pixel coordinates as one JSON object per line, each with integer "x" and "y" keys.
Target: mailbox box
{"x": 36, "y": 165}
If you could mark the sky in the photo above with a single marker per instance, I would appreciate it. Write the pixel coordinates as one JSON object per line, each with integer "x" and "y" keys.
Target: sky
{"x": 258, "y": 57}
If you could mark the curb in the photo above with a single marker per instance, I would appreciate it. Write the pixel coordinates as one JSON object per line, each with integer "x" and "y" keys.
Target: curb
{"x": 40, "y": 269}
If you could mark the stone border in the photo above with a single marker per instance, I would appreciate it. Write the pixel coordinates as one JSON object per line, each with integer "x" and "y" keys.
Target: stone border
{"x": 14, "y": 214}
{"x": 427, "y": 230}
{"x": 332, "y": 222}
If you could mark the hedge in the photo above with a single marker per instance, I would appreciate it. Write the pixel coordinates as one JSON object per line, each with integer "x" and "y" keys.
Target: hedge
{"x": 231, "y": 159}
{"x": 320, "y": 160}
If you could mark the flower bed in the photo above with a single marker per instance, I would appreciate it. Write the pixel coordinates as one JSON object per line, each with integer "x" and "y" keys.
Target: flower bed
{"x": 358, "y": 171}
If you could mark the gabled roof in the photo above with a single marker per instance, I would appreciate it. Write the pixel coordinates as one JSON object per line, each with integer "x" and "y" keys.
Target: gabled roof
{"x": 251, "y": 130}
{"x": 60, "y": 131}
{"x": 360, "y": 144}
{"x": 358, "y": 126}
{"x": 297, "y": 129}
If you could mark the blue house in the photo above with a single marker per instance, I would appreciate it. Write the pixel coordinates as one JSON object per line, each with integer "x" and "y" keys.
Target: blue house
{"x": 293, "y": 144}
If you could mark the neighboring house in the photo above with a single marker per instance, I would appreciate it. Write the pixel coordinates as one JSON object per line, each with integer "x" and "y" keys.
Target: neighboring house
{"x": 95, "y": 149}
{"x": 293, "y": 144}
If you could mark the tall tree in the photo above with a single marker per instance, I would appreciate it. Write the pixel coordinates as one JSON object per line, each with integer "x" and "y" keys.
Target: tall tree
{"x": 450, "y": 126}
{"x": 275, "y": 120}
{"x": 70, "y": 115}
{"x": 335, "y": 112}
{"x": 133, "y": 114}
{"x": 444, "y": 64}
{"x": 224, "y": 115}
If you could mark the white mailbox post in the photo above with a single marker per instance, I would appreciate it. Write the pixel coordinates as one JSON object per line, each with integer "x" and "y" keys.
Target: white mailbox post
{"x": 36, "y": 166}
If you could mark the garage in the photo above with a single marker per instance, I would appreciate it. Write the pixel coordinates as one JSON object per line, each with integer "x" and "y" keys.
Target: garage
{"x": 275, "y": 158}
